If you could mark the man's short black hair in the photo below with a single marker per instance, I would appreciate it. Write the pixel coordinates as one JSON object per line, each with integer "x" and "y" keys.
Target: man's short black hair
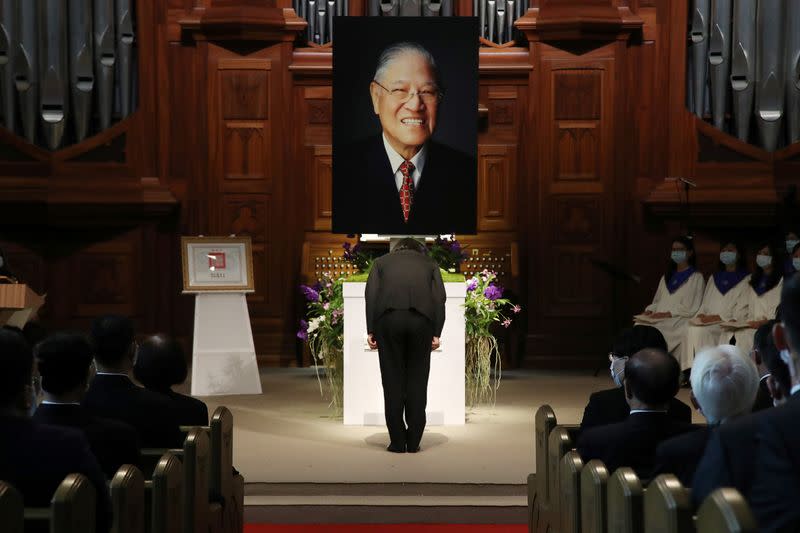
{"x": 652, "y": 376}
{"x": 63, "y": 360}
{"x": 160, "y": 363}
{"x": 16, "y": 366}
{"x": 636, "y": 338}
{"x": 410, "y": 244}
{"x": 112, "y": 336}
{"x": 790, "y": 309}
{"x": 770, "y": 356}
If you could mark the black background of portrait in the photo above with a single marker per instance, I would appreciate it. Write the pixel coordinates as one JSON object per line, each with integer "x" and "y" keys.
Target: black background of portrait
{"x": 453, "y": 42}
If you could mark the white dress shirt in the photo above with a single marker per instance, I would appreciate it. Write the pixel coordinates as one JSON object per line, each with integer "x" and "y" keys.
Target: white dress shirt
{"x": 395, "y": 160}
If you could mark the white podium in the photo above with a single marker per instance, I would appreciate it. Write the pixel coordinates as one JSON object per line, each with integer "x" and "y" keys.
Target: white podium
{"x": 224, "y": 356}
{"x": 363, "y": 392}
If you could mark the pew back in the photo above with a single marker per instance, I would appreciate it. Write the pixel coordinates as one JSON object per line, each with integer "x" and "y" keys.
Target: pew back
{"x": 127, "y": 500}
{"x": 559, "y": 443}
{"x": 624, "y": 498}
{"x": 73, "y": 506}
{"x": 594, "y": 483}
{"x": 166, "y": 496}
{"x": 667, "y": 506}
{"x": 11, "y": 509}
{"x": 570, "y": 487}
{"x": 726, "y": 511}
{"x": 195, "y": 479}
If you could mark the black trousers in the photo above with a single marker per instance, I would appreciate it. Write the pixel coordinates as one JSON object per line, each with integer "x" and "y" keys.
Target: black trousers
{"x": 404, "y": 347}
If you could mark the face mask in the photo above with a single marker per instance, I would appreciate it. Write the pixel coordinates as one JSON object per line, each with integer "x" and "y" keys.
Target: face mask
{"x": 786, "y": 357}
{"x": 727, "y": 258}
{"x": 678, "y": 256}
{"x": 790, "y": 244}
{"x": 618, "y": 370}
{"x": 764, "y": 260}
{"x": 796, "y": 263}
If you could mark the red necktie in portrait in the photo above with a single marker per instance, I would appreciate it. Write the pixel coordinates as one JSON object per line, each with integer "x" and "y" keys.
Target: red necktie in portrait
{"x": 407, "y": 189}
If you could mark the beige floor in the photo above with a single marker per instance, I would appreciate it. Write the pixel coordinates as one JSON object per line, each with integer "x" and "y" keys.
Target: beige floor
{"x": 286, "y": 434}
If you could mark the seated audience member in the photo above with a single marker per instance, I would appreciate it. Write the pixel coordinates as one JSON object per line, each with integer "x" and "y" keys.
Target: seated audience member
{"x": 678, "y": 298}
{"x": 112, "y": 394}
{"x": 776, "y": 487}
{"x": 730, "y": 454}
{"x": 724, "y": 384}
{"x": 794, "y": 261}
{"x": 160, "y": 364}
{"x": 610, "y": 406}
{"x": 652, "y": 378}
{"x": 763, "y": 297}
{"x": 64, "y": 361}
{"x": 725, "y": 299}
{"x": 792, "y": 245}
{"x": 35, "y": 458}
{"x": 763, "y": 348}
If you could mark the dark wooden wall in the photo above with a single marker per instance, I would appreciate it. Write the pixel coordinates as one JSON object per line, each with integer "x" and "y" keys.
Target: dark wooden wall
{"x": 583, "y": 131}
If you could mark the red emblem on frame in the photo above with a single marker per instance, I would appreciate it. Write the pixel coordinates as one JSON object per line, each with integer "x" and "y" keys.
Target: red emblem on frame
{"x": 216, "y": 261}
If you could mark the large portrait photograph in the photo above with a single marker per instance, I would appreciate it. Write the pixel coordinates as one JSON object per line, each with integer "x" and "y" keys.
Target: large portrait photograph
{"x": 405, "y": 125}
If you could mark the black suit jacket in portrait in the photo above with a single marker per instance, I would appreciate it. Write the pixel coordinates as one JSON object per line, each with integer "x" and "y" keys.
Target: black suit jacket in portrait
{"x": 776, "y": 485}
{"x": 630, "y": 443}
{"x": 113, "y": 443}
{"x": 35, "y": 458}
{"x": 609, "y": 407}
{"x": 405, "y": 280}
{"x": 680, "y": 455}
{"x": 366, "y": 199}
{"x": 151, "y": 415}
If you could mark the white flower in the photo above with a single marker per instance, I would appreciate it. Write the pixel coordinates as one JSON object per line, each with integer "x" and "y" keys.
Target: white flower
{"x": 315, "y": 323}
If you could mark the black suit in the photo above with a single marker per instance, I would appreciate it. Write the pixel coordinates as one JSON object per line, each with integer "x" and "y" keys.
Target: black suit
{"x": 151, "y": 415}
{"x": 609, "y": 407}
{"x": 113, "y": 443}
{"x": 405, "y": 300}
{"x": 728, "y": 459}
{"x": 366, "y": 199}
{"x": 35, "y": 458}
{"x": 763, "y": 397}
{"x": 776, "y": 487}
{"x": 680, "y": 455}
{"x": 189, "y": 411}
{"x": 630, "y": 443}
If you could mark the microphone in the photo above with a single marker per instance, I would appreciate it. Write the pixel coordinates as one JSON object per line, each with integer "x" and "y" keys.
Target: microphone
{"x": 688, "y": 183}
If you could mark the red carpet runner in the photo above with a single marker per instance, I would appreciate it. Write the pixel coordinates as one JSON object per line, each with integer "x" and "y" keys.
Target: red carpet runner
{"x": 384, "y": 528}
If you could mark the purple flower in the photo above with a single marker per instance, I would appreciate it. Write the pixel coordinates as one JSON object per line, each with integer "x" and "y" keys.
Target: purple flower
{"x": 310, "y": 294}
{"x": 493, "y": 292}
{"x": 506, "y": 322}
{"x": 516, "y": 309}
{"x": 326, "y": 306}
{"x": 472, "y": 284}
{"x": 337, "y": 313}
{"x": 302, "y": 333}
{"x": 317, "y": 286}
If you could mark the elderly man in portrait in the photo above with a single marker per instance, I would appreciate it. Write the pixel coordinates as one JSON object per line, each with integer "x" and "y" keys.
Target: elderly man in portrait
{"x": 402, "y": 181}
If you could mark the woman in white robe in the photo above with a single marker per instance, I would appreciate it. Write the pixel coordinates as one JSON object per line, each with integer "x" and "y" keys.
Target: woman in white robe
{"x": 678, "y": 297}
{"x": 726, "y": 299}
{"x": 764, "y": 296}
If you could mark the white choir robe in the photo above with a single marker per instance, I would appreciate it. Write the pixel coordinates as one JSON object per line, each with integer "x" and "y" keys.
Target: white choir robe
{"x": 683, "y": 304}
{"x": 762, "y": 307}
{"x": 733, "y": 305}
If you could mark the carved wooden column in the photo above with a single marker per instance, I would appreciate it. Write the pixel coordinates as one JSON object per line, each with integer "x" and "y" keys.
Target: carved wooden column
{"x": 243, "y": 56}
{"x": 578, "y": 140}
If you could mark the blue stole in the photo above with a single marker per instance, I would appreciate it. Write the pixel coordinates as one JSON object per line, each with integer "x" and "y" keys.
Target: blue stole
{"x": 678, "y": 279}
{"x": 725, "y": 280}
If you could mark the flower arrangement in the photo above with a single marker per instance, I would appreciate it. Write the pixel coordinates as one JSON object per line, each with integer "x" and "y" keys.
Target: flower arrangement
{"x": 324, "y": 333}
{"x": 484, "y": 306}
{"x": 447, "y": 253}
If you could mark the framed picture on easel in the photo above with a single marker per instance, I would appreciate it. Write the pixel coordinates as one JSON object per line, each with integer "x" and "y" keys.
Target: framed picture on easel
{"x": 217, "y": 264}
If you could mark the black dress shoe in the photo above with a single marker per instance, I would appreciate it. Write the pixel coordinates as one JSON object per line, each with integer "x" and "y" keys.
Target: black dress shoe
{"x": 395, "y": 449}
{"x": 415, "y": 450}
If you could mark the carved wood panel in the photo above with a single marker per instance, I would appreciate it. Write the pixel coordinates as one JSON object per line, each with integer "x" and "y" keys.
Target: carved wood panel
{"x": 497, "y": 184}
{"x": 106, "y": 279}
{"x": 322, "y": 187}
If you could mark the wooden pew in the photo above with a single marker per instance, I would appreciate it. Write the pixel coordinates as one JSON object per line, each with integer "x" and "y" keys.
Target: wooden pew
{"x": 667, "y": 506}
{"x": 544, "y": 422}
{"x": 625, "y": 502}
{"x": 11, "y": 509}
{"x": 570, "y": 493}
{"x": 164, "y": 496}
{"x": 725, "y": 511}
{"x": 127, "y": 500}
{"x": 72, "y": 509}
{"x": 559, "y": 443}
{"x": 594, "y": 484}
